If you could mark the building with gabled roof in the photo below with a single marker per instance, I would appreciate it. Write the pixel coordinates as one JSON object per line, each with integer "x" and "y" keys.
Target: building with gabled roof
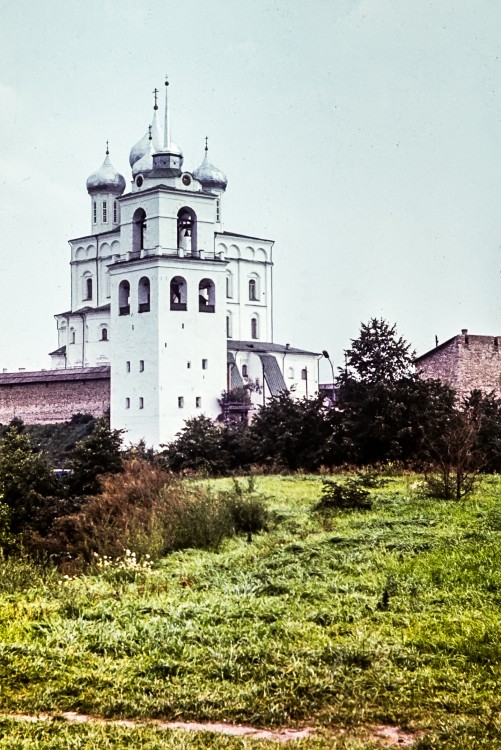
{"x": 466, "y": 362}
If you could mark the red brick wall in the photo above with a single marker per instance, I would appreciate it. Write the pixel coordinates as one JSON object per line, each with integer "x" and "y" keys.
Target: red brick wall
{"x": 465, "y": 362}
{"x": 45, "y": 403}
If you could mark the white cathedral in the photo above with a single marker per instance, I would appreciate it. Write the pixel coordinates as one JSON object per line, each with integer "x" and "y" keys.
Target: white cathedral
{"x": 177, "y": 307}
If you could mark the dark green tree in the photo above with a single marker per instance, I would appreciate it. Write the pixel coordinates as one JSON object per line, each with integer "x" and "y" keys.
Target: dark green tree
{"x": 386, "y": 407}
{"x": 377, "y": 355}
{"x": 293, "y": 433}
{"x": 485, "y": 410}
{"x": 198, "y": 447}
{"x": 96, "y": 455}
{"x": 27, "y": 483}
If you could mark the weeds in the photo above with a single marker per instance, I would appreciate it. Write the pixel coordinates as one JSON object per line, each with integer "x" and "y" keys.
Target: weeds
{"x": 348, "y": 495}
{"x": 390, "y": 617}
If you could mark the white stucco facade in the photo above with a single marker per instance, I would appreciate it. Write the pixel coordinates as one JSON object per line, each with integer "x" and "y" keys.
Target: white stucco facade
{"x": 178, "y": 307}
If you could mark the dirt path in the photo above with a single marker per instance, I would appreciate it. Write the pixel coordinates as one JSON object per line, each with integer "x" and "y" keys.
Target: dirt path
{"x": 387, "y": 735}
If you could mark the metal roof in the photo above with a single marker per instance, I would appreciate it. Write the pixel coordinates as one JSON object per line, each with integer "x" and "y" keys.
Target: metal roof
{"x": 272, "y": 374}
{"x": 54, "y": 376}
{"x": 264, "y": 347}
{"x": 236, "y": 380}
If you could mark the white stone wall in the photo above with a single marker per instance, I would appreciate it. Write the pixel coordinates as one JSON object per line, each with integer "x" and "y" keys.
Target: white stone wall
{"x": 248, "y": 260}
{"x": 166, "y": 341}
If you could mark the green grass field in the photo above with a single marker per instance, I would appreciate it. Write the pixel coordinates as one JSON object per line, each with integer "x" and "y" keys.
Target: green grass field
{"x": 339, "y": 622}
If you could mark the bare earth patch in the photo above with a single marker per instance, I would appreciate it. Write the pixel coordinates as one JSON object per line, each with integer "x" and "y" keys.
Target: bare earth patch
{"x": 393, "y": 736}
{"x": 237, "y": 730}
{"x": 387, "y": 735}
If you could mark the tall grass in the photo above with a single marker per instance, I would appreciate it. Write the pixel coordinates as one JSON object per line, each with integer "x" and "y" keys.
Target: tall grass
{"x": 391, "y": 615}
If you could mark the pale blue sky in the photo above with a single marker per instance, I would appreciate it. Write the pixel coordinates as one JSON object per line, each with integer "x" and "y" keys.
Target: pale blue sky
{"x": 363, "y": 136}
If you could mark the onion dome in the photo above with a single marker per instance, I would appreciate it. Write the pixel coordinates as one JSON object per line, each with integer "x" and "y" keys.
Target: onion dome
{"x": 106, "y": 178}
{"x": 144, "y": 164}
{"x": 210, "y": 176}
{"x": 142, "y": 146}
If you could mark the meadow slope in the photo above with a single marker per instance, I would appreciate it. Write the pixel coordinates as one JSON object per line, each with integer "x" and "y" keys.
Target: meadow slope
{"x": 340, "y": 622}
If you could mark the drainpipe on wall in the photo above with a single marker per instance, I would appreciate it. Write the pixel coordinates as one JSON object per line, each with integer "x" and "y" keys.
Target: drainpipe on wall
{"x": 84, "y": 318}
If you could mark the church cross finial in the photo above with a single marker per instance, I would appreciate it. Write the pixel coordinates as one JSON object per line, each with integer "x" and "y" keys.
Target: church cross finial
{"x": 155, "y": 94}
{"x": 206, "y": 143}
{"x": 149, "y": 132}
{"x": 107, "y": 149}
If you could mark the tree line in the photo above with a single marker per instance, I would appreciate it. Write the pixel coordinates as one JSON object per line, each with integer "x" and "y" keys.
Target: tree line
{"x": 384, "y": 412}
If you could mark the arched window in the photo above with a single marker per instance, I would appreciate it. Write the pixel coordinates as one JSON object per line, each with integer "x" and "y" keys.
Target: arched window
{"x": 253, "y": 289}
{"x": 254, "y": 327}
{"x": 143, "y": 295}
{"x": 229, "y": 327}
{"x": 86, "y": 286}
{"x": 72, "y": 335}
{"x": 290, "y": 373}
{"x": 104, "y": 334}
{"x": 207, "y": 296}
{"x": 244, "y": 371}
{"x": 178, "y": 293}
{"x": 187, "y": 231}
{"x": 138, "y": 230}
{"x": 124, "y": 298}
{"x": 229, "y": 284}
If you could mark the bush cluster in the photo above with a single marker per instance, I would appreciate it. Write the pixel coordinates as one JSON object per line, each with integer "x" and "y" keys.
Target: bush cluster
{"x": 111, "y": 501}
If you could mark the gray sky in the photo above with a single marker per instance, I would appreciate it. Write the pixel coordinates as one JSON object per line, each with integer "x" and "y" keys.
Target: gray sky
{"x": 363, "y": 136}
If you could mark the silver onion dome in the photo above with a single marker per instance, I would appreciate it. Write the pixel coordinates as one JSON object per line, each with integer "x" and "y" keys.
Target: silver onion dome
{"x": 210, "y": 176}
{"x": 106, "y": 179}
{"x": 144, "y": 164}
{"x": 140, "y": 148}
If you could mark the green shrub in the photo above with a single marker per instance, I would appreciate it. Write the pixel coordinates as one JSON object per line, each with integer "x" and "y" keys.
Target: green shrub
{"x": 193, "y": 518}
{"x": 348, "y": 495}
{"x": 247, "y": 509}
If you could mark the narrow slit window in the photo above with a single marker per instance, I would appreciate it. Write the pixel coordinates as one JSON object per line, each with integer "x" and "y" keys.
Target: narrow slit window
{"x": 94, "y": 212}
{"x": 198, "y": 402}
{"x": 127, "y": 366}
{"x": 205, "y": 364}
{"x": 180, "y": 402}
{"x": 141, "y": 365}
{"x": 141, "y": 402}
{"x": 115, "y": 212}
{"x": 105, "y": 212}
{"x": 127, "y": 403}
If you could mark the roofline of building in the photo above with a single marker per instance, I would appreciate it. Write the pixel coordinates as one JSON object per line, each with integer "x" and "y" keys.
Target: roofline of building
{"x": 471, "y": 337}
{"x": 93, "y": 236}
{"x": 144, "y": 259}
{"x": 244, "y": 236}
{"x": 101, "y": 372}
{"x": 100, "y": 309}
{"x": 265, "y": 347}
{"x": 168, "y": 189}
{"x": 437, "y": 348}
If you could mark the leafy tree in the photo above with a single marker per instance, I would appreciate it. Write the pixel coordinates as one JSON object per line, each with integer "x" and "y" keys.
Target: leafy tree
{"x": 198, "y": 447}
{"x": 26, "y": 480}
{"x": 385, "y": 406}
{"x": 293, "y": 434}
{"x": 485, "y": 410}
{"x": 377, "y": 355}
{"x": 456, "y": 458}
{"x": 96, "y": 455}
